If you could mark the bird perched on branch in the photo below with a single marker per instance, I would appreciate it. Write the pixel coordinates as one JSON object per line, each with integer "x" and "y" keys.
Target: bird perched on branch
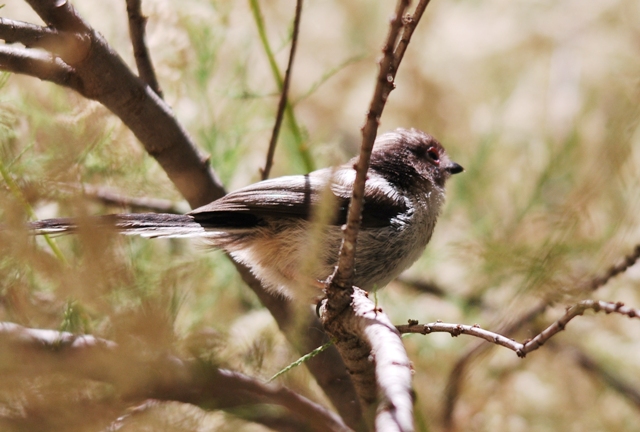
{"x": 277, "y": 228}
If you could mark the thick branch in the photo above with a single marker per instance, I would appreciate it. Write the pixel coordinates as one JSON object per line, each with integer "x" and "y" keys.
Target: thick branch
{"x": 106, "y": 78}
{"x": 40, "y": 65}
{"x": 30, "y": 35}
{"x": 365, "y": 337}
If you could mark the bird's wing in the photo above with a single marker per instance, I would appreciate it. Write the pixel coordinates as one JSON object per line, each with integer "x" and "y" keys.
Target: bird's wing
{"x": 296, "y": 197}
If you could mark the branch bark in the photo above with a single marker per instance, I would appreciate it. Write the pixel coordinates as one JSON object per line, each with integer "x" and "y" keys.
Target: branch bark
{"x": 376, "y": 382}
{"x": 524, "y": 348}
{"x": 100, "y": 74}
{"x": 342, "y": 278}
{"x": 457, "y": 374}
{"x": 377, "y": 361}
{"x": 137, "y": 25}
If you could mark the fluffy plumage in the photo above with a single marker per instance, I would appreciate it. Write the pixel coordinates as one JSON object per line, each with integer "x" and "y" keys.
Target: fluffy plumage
{"x": 268, "y": 225}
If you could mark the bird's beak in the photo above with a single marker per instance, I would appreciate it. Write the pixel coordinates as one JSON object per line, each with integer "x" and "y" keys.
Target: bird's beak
{"x": 454, "y": 168}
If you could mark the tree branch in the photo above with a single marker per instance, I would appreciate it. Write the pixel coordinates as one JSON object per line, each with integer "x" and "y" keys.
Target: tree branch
{"x": 137, "y": 24}
{"x": 30, "y": 35}
{"x": 344, "y": 302}
{"x": 595, "y": 369}
{"x": 342, "y": 278}
{"x": 40, "y": 65}
{"x": 110, "y": 197}
{"x": 410, "y": 22}
{"x": 456, "y": 376}
{"x": 103, "y": 76}
{"x": 522, "y": 349}
{"x": 282, "y": 104}
{"x": 379, "y": 366}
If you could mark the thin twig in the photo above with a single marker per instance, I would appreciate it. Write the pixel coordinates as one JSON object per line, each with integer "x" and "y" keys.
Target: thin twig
{"x": 137, "y": 25}
{"x": 343, "y": 276}
{"x": 303, "y": 150}
{"x": 410, "y": 23}
{"x": 459, "y": 329}
{"x": 457, "y": 374}
{"x": 110, "y": 197}
{"x": 522, "y": 349}
{"x": 424, "y": 287}
{"x": 282, "y": 104}
{"x": 615, "y": 270}
{"x": 572, "y": 312}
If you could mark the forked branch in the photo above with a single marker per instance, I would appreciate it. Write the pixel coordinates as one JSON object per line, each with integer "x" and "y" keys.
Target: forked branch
{"x": 522, "y": 349}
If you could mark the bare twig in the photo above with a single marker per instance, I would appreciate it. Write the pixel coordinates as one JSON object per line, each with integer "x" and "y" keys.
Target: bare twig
{"x": 296, "y": 131}
{"x": 572, "y": 312}
{"x": 110, "y": 197}
{"x": 137, "y": 24}
{"x": 425, "y": 287}
{"x": 343, "y": 276}
{"x": 410, "y": 23}
{"x": 457, "y": 330}
{"x": 457, "y": 374}
{"x": 522, "y": 349}
{"x": 615, "y": 270}
{"x": 283, "y": 93}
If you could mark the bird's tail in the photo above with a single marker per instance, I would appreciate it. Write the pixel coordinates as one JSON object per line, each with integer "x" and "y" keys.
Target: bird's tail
{"x": 143, "y": 224}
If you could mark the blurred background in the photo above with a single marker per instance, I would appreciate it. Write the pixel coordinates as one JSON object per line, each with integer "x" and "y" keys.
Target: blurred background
{"x": 538, "y": 100}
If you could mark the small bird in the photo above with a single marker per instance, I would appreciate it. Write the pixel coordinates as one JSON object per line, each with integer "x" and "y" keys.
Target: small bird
{"x": 269, "y": 225}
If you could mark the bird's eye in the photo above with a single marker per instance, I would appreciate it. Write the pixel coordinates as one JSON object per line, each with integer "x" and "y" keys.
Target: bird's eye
{"x": 433, "y": 154}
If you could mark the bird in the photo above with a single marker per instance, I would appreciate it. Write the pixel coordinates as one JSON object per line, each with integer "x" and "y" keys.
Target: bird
{"x": 274, "y": 226}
